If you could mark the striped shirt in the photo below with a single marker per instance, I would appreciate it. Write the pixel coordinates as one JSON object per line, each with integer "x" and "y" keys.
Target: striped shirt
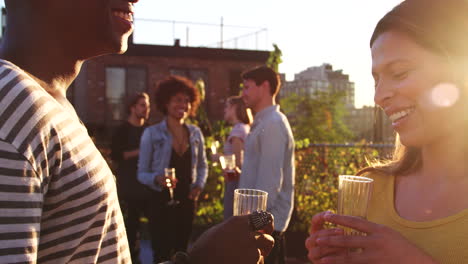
{"x": 58, "y": 201}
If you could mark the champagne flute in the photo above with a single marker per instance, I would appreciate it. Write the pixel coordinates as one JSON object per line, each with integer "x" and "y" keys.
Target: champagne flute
{"x": 170, "y": 176}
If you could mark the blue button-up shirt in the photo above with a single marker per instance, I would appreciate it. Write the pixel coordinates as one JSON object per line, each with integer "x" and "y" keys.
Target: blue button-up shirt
{"x": 269, "y": 163}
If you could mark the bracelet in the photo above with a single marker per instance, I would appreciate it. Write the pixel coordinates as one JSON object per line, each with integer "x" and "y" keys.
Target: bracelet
{"x": 259, "y": 219}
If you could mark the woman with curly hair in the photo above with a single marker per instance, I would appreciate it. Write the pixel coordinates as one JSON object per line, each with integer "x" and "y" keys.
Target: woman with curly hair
{"x": 173, "y": 144}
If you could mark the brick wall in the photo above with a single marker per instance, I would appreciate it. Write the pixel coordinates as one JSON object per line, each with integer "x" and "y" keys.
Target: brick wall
{"x": 222, "y": 68}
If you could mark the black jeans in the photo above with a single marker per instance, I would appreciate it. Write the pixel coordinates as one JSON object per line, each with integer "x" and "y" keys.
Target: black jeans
{"x": 133, "y": 210}
{"x": 278, "y": 253}
{"x": 170, "y": 227}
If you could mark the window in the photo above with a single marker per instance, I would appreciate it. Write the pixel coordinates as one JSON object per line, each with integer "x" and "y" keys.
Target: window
{"x": 122, "y": 82}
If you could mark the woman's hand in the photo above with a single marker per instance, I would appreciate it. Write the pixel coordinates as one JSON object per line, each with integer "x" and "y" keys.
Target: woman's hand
{"x": 232, "y": 175}
{"x": 161, "y": 180}
{"x": 381, "y": 245}
{"x": 194, "y": 193}
{"x": 318, "y": 230}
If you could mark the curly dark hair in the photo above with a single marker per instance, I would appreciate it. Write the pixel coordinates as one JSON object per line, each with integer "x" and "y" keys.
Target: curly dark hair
{"x": 173, "y": 85}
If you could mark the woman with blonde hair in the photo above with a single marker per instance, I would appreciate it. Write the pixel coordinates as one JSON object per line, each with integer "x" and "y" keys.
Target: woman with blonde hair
{"x": 418, "y": 212}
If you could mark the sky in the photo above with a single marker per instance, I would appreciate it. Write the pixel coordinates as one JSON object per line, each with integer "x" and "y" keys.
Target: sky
{"x": 309, "y": 32}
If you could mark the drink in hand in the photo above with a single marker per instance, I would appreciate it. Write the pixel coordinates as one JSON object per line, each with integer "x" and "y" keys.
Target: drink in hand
{"x": 353, "y": 198}
{"x": 170, "y": 178}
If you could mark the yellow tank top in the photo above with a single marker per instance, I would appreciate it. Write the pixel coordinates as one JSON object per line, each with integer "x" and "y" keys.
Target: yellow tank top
{"x": 446, "y": 239}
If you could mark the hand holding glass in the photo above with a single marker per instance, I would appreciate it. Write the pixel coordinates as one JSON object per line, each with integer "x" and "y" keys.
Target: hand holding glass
{"x": 354, "y": 193}
{"x": 247, "y": 201}
{"x": 169, "y": 173}
{"x": 228, "y": 164}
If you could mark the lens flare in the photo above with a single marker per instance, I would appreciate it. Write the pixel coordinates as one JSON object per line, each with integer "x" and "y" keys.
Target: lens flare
{"x": 445, "y": 95}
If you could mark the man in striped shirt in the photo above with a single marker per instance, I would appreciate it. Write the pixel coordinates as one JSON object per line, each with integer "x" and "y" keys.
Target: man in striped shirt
{"x": 58, "y": 200}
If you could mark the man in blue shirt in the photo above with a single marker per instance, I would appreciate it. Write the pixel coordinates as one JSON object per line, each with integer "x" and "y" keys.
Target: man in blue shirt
{"x": 269, "y": 152}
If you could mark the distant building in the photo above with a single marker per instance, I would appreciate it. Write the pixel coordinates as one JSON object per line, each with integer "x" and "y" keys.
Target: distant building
{"x": 103, "y": 84}
{"x": 368, "y": 123}
{"x": 371, "y": 124}
{"x": 322, "y": 78}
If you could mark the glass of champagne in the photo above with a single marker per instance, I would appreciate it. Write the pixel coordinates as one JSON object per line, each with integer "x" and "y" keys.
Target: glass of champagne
{"x": 247, "y": 201}
{"x": 354, "y": 193}
{"x": 170, "y": 175}
{"x": 228, "y": 164}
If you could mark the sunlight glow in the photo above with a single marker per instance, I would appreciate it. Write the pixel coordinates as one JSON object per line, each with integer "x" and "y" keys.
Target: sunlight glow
{"x": 445, "y": 95}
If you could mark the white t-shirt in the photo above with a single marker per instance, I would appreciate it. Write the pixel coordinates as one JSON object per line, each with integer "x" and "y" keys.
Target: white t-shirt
{"x": 239, "y": 130}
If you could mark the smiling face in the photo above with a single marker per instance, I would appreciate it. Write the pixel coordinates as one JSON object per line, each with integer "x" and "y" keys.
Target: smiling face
{"x": 92, "y": 27}
{"x": 179, "y": 106}
{"x": 415, "y": 88}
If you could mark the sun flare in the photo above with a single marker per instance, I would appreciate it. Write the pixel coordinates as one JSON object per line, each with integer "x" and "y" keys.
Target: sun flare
{"x": 445, "y": 95}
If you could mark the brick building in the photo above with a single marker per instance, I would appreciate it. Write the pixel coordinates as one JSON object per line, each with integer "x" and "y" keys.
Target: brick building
{"x": 103, "y": 84}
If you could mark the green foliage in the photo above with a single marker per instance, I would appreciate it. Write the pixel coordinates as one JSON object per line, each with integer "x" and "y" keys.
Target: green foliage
{"x": 316, "y": 189}
{"x": 274, "y": 59}
{"x": 201, "y": 119}
{"x": 317, "y": 170}
{"x": 210, "y": 204}
{"x": 200, "y": 85}
{"x": 318, "y": 118}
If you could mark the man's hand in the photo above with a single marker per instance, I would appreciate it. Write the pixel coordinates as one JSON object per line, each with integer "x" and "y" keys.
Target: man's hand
{"x": 231, "y": 242}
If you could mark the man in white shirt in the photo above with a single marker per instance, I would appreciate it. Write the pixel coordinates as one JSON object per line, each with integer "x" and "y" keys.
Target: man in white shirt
{"x": 269, "y": 152}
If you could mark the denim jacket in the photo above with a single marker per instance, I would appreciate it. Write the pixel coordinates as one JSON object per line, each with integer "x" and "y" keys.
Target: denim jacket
{"x": 156, "y": 150}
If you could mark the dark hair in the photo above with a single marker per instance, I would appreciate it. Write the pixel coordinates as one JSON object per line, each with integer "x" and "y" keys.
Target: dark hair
{"x": 440, "y": 26}
{"x": 173, "y": 85}
{"x": 261, "y": 74}
{"x": 133, "y": 100}
{"x": 242, "y": 112}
